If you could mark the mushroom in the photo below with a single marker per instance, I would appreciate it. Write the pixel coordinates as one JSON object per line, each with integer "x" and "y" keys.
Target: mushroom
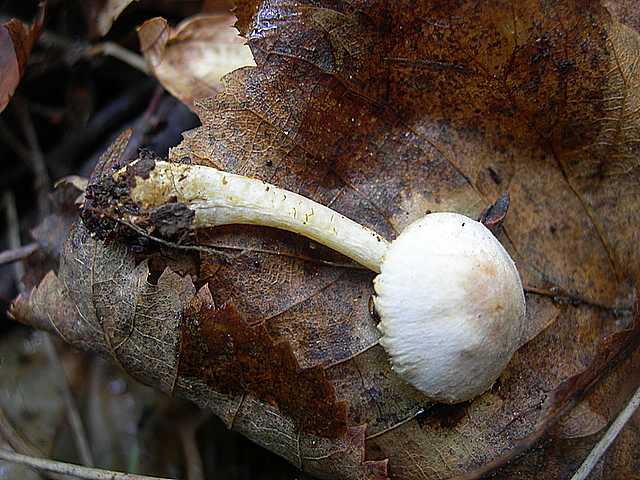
{"x": 449, "y": 297}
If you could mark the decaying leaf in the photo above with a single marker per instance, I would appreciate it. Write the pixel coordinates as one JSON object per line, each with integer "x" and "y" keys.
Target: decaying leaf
{"x": 386, "y": 110}
{"x": 232, "y": 357}
{"x": 16, "y": 42}
{"x": 107, "y": 13}
{"x": 582, "y": 421}
{"x": 190, "y": 60}
{"x": 562, "y": 452}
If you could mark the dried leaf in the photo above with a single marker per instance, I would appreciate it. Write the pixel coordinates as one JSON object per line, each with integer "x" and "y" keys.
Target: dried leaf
{"x": 232, "y": 357}
{"x": 107, "y": 12}
{"x": 386, "y": 110}
{"x": 52, "y": 232}
{"x": 245, "y": 11}
{"x": 105, "y": 304}
{"x": 16, "y": 42}
{"x": 190, "y": 60}
{"x": 582, "y": 421}
{"x": 560, "y": 456}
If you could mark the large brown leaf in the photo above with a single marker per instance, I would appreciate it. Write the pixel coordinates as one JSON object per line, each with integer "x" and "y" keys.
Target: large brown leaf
{"x": 386, "y": 110}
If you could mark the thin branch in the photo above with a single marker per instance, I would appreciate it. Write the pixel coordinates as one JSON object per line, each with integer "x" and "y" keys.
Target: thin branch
{"x": 14, "y": 144}
{"x": 36, "y": 157}
{"x": 217, "y": 250}
{"x": 558, "y": 295}
{"x": 116, "y": 51}
{"x": 21, "y": 444}
{"x": 73, "y": 415}
{"x": 71, "y": 469}
{"x": 17, "y": 254}
{"x": 76, "y": 50}
{"x": 187, "y": 429}
{"x": 79, "y": 142}
{"x": 145, "y": 124}
{"x": 13, "y": 233}
{"x": 14, "y": 438}
{"x": 608, "y": 438}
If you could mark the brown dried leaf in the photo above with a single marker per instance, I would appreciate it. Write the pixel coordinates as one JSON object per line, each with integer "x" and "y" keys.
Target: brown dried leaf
{"x": 560, "y": 456}
{"x": 582, "y": 421}
{"x": 52, "y": 232}
{"x": 386, "y": 110}
{"x": 190, "y": 60}
{"x": 16, "y": 42}
{"x": 105, "y": 303}
{"x": 245, "y": 11}
{"x": 232, "y": 357}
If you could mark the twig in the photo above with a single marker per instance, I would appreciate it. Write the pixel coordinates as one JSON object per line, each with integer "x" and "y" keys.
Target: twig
{"x": 608, "y": 438}
{"x": 36, "y": 158}
{"x": 10, "y": 139}
{"x": 70, "y": 468}
{"x": 21, "y": 444}
{"x": 13, "y": 437}
{"x": 116, "y": 51}
{"x": 558, "y": 295}
{"x": 13, "y": 233}
{"x": 17, "y": 254}
{"x": 75, "y": 421}
{"x": 193, "y": 460}
{"x": 187, "y": 429}
{"x": 143, "y": 125}
{"x": 73, "y": 415}
{"x": 76, "y": 50}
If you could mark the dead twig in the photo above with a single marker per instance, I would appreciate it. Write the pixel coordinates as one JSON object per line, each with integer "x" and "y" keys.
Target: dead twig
{"x": 76, "y": 50}
{"x": 73, "y": 415}
{"x": 36, "y": 157}
{"x": 605, "y": 442}
{"x": 21, "y": 444}
{"x": 14, "y": 144}
{"x": 143, "y": 125}
{"x": 71, "y": 469}
{"x": 116, "y": 51}
{"x": 13, "y": 437}
{"x": 13, "y": 233}
{"x": 187, "y": 429}
{"x": 17, "y": 254}
{"x": 75, "y": 145}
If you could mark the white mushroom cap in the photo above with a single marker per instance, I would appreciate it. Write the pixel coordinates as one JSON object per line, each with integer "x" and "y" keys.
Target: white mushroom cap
{"x": 451, "y": 306}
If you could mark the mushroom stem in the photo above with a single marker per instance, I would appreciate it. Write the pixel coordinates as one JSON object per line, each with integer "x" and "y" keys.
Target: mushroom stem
{"x": 220, "y": 198}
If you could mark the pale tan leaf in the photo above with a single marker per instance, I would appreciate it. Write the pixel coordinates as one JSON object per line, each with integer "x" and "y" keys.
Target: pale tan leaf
{"x": 108, "y": 12}
{"x": 191, "y": 59}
